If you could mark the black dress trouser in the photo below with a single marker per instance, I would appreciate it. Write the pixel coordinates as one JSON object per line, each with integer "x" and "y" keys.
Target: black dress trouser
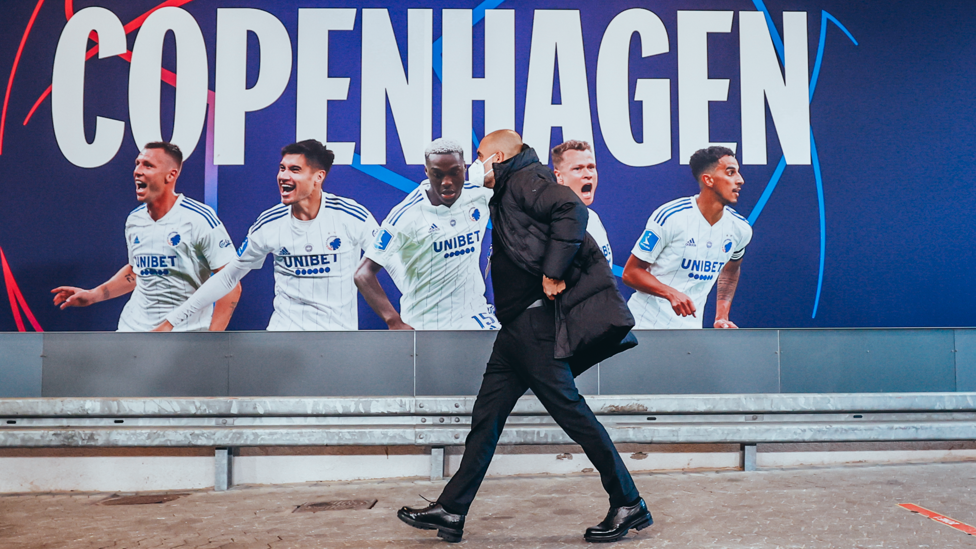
{"x": 521, "y": 359}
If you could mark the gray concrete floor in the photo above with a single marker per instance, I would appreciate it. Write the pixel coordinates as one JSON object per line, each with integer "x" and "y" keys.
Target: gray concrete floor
{"x": 850, "y": 507}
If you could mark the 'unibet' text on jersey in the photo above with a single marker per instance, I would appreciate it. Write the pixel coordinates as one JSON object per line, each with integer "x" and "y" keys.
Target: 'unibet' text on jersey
{"x": 686, "y": 253}
{"x": 434, "y": 253}
{"x": 314, "y": 263}
{"x": 171, "y": 258}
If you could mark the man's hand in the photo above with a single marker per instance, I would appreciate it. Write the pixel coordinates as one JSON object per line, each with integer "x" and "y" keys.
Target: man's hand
{"x": 69, "y": 296}
{"x": 398, "y": 324}
{"x": 682, "y": 304}
{"x": 552, "y": 287}
{"x": 724, "y": 323}
{"x": 164, "y": 327}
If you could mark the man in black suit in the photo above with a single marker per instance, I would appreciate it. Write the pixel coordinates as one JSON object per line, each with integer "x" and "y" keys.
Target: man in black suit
{"x": 540, "y": 243}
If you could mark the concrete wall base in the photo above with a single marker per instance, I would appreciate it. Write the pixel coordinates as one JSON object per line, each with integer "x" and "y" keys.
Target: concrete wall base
{"x": 154, "y": 469}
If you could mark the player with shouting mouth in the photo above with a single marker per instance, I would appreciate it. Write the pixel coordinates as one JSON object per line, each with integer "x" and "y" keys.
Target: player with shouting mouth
{"x": 316, "y": 239}
{"x": 174, "y": 244}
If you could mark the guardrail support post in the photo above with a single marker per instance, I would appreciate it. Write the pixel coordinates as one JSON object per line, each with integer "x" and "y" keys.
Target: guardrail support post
{"x": 748, "y": 457}
{"x": 223, "y": 469}
{"x": 437, "y": 463}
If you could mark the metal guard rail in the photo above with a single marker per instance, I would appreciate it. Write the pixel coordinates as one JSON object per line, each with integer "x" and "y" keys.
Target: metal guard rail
{"x": 228, "y": 423}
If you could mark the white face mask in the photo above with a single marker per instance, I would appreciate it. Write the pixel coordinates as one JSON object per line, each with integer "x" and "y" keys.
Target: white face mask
{"x": 477, "y": 173}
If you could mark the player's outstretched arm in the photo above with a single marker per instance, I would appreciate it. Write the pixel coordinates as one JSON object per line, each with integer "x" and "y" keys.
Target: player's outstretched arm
{"x": 121, "y": 283}
{"x": 224, "y": 308}
{"x": 214, "y": 289}
{"x": 728, "y": 280}
{"x": 369, "y": 286}
{"x": 639, "y": 278}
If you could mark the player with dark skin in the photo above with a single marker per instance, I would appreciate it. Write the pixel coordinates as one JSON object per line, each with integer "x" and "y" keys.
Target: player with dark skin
{"x": 155, "y": 176}
{"x": 720, "y": 187}
{"x": 446, "y": 175}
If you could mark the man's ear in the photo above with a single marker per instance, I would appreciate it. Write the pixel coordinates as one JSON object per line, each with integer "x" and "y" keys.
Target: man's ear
{"x": 559, "y": 176}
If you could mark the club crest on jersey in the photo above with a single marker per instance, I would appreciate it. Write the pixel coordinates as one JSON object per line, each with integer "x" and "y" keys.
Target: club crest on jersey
{"x": 382, "y": 240}
{"x": 648, "y": 241}
{"x": 283, "y": 251}
{"x": 691, "y": 243}
{"x": 225, "y": 243}
{"x": 727, "y": 245}
{"x": 333, "y": 243}
{"x": 708, "y": 244}
{"x": 474, "y": 214}
{"x": 173, "y": 238}
{"x": 453, "y": 222}
{"x": 308, "y": 247}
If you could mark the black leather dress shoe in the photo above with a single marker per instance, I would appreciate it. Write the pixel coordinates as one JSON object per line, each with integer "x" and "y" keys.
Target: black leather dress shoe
{"x": 619, "y": 521}
{"x": 434, "y": 517}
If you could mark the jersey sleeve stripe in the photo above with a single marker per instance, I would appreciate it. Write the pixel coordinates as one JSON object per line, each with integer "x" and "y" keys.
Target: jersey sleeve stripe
{"x": 407, "y": 202}
{"x": 348, "y": 211}
{"x": 349, "y": 204}
{"x": 672, "y": 212}
{"x": 273, "y": 211}
{"x": 736, "y": 214}
{"x": 404, "y": 210}
{"x": 262, "y": 223}
{"x": 206, "y": 211}
{"x": 201, "y": 214}
{"x": 673, "y": 206}
{"x": 200, "y": 205}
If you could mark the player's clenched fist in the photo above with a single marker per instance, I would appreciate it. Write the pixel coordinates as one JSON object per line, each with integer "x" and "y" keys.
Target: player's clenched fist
{"x": 682, "y": 304}
{"x": 724, "y": 324}
{"x": 69, "y": 296}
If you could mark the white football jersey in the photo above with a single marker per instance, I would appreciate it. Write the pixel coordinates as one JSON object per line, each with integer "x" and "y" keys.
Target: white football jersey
{"x": 171, "y": 258}
{"x": 595, "y": 227}
{"x": 686, "y": 253}
{"x": 434, "y": 253}
{"x": 314, "y": 263}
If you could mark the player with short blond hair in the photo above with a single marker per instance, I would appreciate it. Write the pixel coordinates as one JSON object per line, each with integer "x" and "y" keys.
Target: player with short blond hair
{"x": 432, "y": 240}
{"x": 575, "y": 167}
{"x": 174, "y": 244}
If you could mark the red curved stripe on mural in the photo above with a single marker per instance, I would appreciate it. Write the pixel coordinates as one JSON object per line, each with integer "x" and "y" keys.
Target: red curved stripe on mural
{"x": 17, "y": 297}
{"x": 69, "y": 9}
{"x": 131, "y": 26}
{"x": 13, "y": 70}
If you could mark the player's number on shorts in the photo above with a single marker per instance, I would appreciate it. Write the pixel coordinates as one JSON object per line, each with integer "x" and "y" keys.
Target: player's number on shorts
{"x": 486, "y": 321}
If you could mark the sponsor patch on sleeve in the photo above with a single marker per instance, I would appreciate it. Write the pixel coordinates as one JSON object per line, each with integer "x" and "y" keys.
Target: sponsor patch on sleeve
{"x": 382, "y": 240}
{"x": 648, "y": 241}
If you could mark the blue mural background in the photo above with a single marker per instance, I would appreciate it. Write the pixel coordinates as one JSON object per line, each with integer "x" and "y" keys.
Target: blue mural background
{"x": 892, "y": 119}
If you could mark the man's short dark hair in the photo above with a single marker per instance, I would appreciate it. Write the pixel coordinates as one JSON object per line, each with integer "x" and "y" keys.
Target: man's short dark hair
{"x": 315, "y": 153}
{"x": 572, "y": 145}
{"x": 705, "y": 159}
{"x": 171, "y": 150}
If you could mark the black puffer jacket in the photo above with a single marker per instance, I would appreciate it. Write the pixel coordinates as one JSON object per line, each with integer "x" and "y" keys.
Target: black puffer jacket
{"x": 542, "y": 227}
